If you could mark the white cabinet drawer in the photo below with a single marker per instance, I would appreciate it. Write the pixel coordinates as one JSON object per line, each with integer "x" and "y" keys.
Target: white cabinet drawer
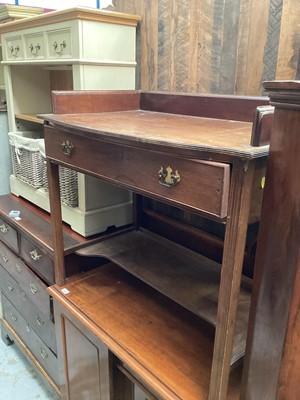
{"x": 59, "y": 43}
{"x": 34, "y": 46}
{"x": 14, "y": 48}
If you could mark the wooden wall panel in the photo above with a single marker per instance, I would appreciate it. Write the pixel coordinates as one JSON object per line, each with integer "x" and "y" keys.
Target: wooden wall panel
{"x": 215, "y": 46}
{"x": 289, "y": 46}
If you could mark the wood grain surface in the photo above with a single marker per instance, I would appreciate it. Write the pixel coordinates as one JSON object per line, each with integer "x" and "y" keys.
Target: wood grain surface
{"x": 215, "y": 46}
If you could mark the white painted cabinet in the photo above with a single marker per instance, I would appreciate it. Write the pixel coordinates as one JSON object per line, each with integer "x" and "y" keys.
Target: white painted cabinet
{"x": 76, "y": 49}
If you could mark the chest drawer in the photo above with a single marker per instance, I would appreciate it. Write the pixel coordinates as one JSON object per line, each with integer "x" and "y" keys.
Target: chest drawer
{"x": 34, "y": 289}
{"x": 37, "y": 259}
{"x": 9, "y": 235}
{"x": 34, "y": 46}
{"x": 195, "y": 184}
{"x": 39, "y": 320}
{"x": 34, "y": 343}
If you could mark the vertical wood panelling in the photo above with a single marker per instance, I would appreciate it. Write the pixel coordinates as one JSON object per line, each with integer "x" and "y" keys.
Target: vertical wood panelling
{"x": 257, "y": 40}
{"x": 215, "y": 46}
{"x": 242, "y": 46}
{"x": 204, "y": 22}
{"x": 289, "y": 45}
{"x": 271, "y": 48}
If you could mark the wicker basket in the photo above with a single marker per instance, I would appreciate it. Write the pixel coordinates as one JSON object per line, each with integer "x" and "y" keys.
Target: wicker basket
{"x": 68, "y": 182}
{"x": 29, "y": 165}
{"x": 27, "y": 160}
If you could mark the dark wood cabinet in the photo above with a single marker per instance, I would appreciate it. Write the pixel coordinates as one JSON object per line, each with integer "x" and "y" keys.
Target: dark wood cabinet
{"x": 26, "y": 270}
{"x": 175, "y": 321}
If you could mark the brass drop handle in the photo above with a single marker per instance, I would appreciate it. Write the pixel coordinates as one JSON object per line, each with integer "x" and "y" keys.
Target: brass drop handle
{"x": 167, "y": 177}
{"x": 14, "y": 50}
{"x": 10, "y": 287}
{"x": 14, "y": 317}
{"x": 3, "y": 228}
{"x": 33, "y": 288}
{"x": 35, "y": 49}
{"x": 35, "y": 255}
{"x": 39, "y": 321}
{"x": 58, "y": 48}
{"x": 44, "y": 354}
{"x": 18, "y": 268}
{"x": 5, "y": 258}
{"x": 67, "y": 147}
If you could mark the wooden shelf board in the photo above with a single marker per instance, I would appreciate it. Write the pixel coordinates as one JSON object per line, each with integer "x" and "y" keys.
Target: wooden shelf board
{"x": 30, "y": 118}
{"x": 169, "y": 347}
{"x": 184, "y": 276}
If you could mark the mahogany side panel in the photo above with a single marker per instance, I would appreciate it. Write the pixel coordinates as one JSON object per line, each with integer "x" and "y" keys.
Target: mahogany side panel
{"x": 277, "y": 257}
{"x": 237, "y": 108}
{"x": 91, "y": 101}
{"x": 262, "y": 125}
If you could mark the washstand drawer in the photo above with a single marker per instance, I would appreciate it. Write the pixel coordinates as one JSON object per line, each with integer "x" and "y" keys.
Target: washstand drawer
{"x": 9, "y": 235}
{"x": 13, "y": 48}
{"x": 59, "y": 43}
{"x": 195, "y": 184}
{"x": 34, "y": 343}
{"x": 37, "y": 259}
{"x": 34, "y": 46}
{"x": 41, "y": 322}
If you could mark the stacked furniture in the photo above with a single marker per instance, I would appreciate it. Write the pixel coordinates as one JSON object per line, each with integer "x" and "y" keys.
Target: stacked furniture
{"x": 156, "y": 313}
{"x": 26, "y": 269}
{"x": 76, "y": 48}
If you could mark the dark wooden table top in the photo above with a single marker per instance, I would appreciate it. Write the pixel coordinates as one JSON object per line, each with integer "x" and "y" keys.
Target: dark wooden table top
{"x": 148, "y": 128}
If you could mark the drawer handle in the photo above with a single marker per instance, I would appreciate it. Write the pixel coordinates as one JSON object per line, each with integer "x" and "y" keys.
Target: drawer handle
{"x": 28, "y": 329}
{"x": 39, "y": 321}
{"x": 24, "y": 297}
{"x": 4, "y": 228}
{"x": 10, "y": 287}
{"x": 35, "y": 49}
{"x": 13, "y": 317}
{"x": 14, "y": 50}
{"x": 35, "y": 255}
{"x": 44, "y": 354}
{"x": 18, "y": 268}
{"x": 5, "y": 258}
{"x": 167, "y": 177}
{"x": 58, "y": 48}
{"x": 67, "y": 147}
{"x": 33, "y": 288}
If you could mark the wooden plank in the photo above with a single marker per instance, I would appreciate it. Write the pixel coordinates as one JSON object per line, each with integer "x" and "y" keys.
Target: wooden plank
{"x": 273, "y": 35}
{"x": 257, "y": 39}
{"x": 238, "y": 108}
{"x": 204, "y": 45}
{"x": 217, "y": 42}
{"x": 166, "y": 58}
{"x": 30, "y": 118}
{"x": 63, "y": 102}
{"x": 149, "y": 44}
{"x": 225, "y": 38}
{"x": 289, "y": 44}
{"x": 242, "y": 46}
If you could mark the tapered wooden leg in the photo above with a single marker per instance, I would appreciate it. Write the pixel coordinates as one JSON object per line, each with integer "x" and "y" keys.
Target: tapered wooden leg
{"x": 57, "y": 232}
{"x": 234, "y": 246}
